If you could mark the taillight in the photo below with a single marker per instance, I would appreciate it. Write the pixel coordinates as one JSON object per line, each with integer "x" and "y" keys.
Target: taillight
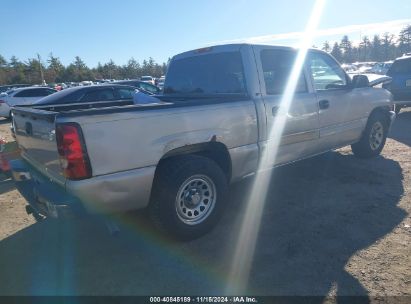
{"x": 72, "y": 150}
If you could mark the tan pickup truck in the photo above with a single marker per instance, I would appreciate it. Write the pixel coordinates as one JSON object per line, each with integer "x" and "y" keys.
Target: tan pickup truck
{"x": 208, "y": 129}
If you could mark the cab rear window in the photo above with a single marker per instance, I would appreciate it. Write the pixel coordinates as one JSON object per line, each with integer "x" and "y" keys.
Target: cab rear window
{"x": 219, "y": 73}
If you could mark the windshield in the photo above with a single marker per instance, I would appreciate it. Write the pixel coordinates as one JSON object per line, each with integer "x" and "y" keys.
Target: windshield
{"x": 220, "y": 73}
{"x": 9, "y": 92}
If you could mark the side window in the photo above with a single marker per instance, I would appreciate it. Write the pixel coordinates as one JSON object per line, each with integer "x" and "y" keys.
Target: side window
{"x": 277, "y": 65}
{"x": 27, "y": 93}
{"x": 98, "y": 95}
{"x": 149, "y": 88}
{"x": 327, "y": 73}
{"x": 21, "y": 93}
{"x": 42, "y": 92}
{"x": 125, "y": 93}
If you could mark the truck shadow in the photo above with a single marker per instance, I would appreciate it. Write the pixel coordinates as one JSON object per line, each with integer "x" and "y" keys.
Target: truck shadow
{"x": 401, "y": 129}
{"x": 318, "y": 214}
{"x": 6, "y": 184}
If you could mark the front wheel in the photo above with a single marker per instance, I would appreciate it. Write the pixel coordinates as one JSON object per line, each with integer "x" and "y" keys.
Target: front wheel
{"x": 373, "y": 139}
{"x": 189, "y": 195}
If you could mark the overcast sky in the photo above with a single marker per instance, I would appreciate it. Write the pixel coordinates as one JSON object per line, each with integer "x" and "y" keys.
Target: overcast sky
{"x": 98, "y": 31}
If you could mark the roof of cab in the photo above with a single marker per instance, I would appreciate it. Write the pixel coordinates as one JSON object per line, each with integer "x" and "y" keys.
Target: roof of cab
{"x": 230, "y": 47}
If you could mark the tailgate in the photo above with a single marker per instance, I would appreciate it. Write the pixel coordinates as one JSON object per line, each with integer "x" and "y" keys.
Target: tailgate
{"x": 35, "y": 135}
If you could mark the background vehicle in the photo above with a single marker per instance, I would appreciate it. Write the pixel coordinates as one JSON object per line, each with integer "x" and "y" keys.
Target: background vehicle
{"x": 141, "y": 85}
{"x": 148, "y": 79}
{"x": 161, "y": 82}
{"x": 364, "y": 67}
{"x": 22, "y": 96}
{"x": 400, "y": 86}
{"x": 211, "y": 128}
{"x": 86, "y": 83}
{"x": 381, "y": 67}
{"x": 84, "y": 94}
{"x": 12, "y": 86}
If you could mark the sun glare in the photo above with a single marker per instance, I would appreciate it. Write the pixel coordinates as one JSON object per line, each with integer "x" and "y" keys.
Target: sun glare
{"x": 248, "y": 233}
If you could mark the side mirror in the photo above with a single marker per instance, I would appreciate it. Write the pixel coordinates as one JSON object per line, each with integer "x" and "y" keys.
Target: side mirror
{"x": 360, "y": 81}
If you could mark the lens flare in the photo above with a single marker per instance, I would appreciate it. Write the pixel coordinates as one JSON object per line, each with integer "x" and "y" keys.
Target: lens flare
{"x": 250, "y": 225}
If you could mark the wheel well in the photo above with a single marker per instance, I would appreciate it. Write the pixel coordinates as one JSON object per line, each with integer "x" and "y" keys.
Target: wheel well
{"x": 215, "y": 151}
{"x": 381, "y": 110}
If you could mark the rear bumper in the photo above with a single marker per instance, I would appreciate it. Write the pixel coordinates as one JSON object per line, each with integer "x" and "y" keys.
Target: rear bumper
{"x": 45, "y": 198}
{"x": 117, "y": 192}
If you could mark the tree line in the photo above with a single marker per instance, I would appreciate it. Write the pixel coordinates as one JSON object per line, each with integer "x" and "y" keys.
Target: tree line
{"x": 14, "y": 71}
{"x": 378, "y": 48}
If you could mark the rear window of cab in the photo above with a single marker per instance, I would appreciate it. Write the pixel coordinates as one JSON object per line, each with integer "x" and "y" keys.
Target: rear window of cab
{"x": 216, "y": 73}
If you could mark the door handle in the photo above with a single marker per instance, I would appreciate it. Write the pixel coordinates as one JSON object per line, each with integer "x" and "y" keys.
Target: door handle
{"x": 274, "y": 110}
{"x": 324, "y": 104}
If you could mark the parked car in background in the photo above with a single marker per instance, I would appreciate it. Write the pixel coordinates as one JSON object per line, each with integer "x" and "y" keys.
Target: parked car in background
{"x": 12, "y": 86}
{"x": 348, "y": 67}
{"x": 145, "y": 87}
{"x": 160, "y": 83}
{"x": 86, "y": 94}
{"x": 22, "y": 96}
{"x": 148, "y": 79}
{"x": 400, "y": 86}
{"x": 363, "y": 67}
{"x": 381, "y": 67}
{"x": 86, "y": 83}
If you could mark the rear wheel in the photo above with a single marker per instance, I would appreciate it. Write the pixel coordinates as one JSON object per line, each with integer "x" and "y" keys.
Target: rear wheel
{"x": 397, "y": 109}
{"x": 373, "y": 139}
{"x": 189, "y": 195}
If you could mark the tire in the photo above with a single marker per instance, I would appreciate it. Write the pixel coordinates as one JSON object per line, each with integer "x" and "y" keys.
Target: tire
{"x": 188, "y": 197}
{"x": 373, "y": 138}
{"x": 397, "y": 109}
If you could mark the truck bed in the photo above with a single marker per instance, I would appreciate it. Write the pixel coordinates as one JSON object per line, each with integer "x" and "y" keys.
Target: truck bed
{"x": 104, "y": 107}
{"x": 114, "y": 131}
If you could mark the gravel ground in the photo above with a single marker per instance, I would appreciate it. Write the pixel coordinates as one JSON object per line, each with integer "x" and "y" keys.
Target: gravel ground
{"x": 332, "y": 225}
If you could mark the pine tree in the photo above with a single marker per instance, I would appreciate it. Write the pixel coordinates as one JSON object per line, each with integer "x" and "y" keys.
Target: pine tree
{"x": 3, "y": 62}
{"x": 347, "y": 50}
{"x": 55, "y": 69}
{"x": 388, "y": 48}
{"x": 326, "y": 47}
{"x": 336, "y": 52}
{"x": 365, "y": 46}
{"x": 404, "y": 39}
{"x": 376, "y": 49}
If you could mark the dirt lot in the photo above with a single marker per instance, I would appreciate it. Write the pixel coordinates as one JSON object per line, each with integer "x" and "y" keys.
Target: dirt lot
{"x": 332, "y": 225}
